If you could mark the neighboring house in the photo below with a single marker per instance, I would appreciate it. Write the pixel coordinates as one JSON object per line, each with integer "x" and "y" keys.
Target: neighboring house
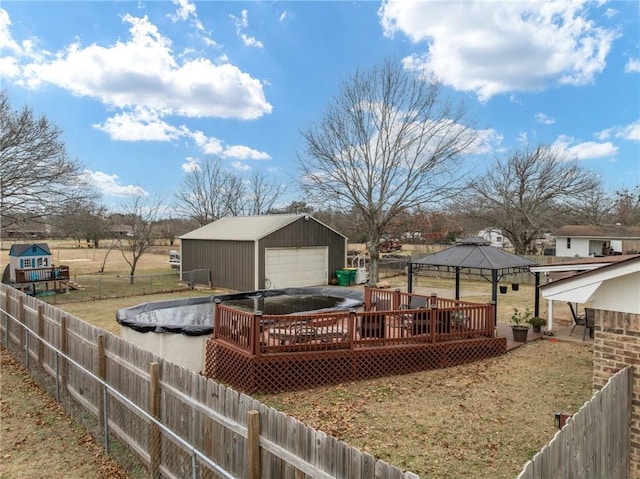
{"x": 27, "y": 229}
{"x": 265, "y": 252}
{"x": 588, "y": 240}
{"x": 611, "y": 291}
{"x": 495, "y": 237}
{"x": 28, "y": 256}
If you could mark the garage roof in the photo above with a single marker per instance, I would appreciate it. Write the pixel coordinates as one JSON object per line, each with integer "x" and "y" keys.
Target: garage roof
{"x": 245, "y": 228}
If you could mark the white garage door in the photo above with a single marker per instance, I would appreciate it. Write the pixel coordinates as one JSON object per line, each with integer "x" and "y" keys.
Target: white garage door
{"x": 296, "y": 267}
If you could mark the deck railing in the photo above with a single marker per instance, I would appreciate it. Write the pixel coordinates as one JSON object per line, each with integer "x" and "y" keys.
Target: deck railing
{"x": 390, "y": 318}
{"x": 54, "y": 273}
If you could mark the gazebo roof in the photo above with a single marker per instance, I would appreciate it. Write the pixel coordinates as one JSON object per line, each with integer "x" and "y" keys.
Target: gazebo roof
{"x": 475, "y": 253}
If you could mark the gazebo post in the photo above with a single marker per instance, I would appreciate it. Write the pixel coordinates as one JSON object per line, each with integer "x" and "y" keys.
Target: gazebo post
{"x": 410, "y": 278}
{"x": 536, "y": 306}
{"x": 494, "y": 295}
{"x": 457, "y": 282}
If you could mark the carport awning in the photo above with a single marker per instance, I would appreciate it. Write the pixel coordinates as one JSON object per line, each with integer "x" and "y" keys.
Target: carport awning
{"x": 579, "y": 294}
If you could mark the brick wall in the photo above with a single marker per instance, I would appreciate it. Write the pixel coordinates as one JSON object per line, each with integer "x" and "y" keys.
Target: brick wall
{"x": 616, "y": 345}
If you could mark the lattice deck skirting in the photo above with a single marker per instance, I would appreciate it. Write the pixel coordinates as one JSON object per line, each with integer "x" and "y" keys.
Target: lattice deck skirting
{"x": 301, "y": 370}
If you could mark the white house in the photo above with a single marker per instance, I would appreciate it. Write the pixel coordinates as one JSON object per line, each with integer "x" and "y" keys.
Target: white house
{"x": 608, "y": 286}
{"x": 495, "y": 237}
{"x": 589, "y": 240}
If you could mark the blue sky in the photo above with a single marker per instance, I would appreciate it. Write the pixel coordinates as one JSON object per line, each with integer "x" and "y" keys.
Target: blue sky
{"x": 145, "y": 90}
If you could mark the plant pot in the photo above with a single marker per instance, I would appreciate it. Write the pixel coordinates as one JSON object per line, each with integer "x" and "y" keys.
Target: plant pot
{"x": 515, "y": 286}
{"x": 520, "y": 333}
{"x": 536, "y": 329}
{"x": 503, "y": 289}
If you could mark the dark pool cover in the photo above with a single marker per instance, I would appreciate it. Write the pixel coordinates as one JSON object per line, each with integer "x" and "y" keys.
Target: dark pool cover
{"x": 194, "y": 316}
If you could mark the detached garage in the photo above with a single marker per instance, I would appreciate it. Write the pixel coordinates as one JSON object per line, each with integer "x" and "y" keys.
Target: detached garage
{"x": 246, "y": 253}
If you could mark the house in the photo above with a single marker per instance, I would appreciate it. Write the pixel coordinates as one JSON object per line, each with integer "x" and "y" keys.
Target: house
{"x": 557, "y": 273}
{"x": 265, "y": 252}
{"x": 589, "y": 240}
{"x": 495, "y": 238}
{"x": 611, "y": 294}
{"x": 28, "y": 256}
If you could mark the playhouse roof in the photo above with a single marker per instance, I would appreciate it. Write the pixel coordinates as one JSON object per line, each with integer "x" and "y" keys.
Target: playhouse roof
{"x": 21, "y": 249}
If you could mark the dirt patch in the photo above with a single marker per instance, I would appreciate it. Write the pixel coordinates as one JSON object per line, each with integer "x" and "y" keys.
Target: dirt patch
{"x": 484, "y": 419}
{"x": 38, "y": 439}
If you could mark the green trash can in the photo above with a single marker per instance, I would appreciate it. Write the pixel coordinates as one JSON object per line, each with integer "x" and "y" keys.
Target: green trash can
{"x": 352, "y": 275}
{"x": 343, "y": 277}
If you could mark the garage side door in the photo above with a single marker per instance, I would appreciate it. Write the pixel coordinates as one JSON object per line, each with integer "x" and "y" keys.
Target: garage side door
{"x": 296, "y": 267}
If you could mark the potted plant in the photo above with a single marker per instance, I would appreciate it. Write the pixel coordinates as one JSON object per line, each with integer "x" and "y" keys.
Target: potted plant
{"x": 536, "y": 323}
{"x": 520, "y": 324}
{"x": 503, "y": 289}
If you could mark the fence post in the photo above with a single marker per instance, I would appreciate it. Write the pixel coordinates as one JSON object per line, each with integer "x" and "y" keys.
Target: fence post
{"x": 40, "y": 336}
{"x": 253, "y": 445}
{"x": 155, "y": 438}
{"x": 6, "y": 317}
{"x": 102, "y": 374}
{"x": 21, "y": 321}
{"x": 63, "y": 348}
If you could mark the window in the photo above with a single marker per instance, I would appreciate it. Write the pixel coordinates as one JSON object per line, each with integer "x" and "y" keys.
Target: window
{"x": 568, "y": 243}
{"x": 27, "y": 263}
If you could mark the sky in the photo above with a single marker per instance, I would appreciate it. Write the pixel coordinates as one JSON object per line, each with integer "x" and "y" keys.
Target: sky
{"x": 145, "y": 91}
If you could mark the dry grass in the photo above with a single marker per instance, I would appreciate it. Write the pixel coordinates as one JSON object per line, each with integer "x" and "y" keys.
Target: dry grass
{"x": 38, "y": 438}
{"x": 479, "y": 420}
{"x": 484, "y": 419}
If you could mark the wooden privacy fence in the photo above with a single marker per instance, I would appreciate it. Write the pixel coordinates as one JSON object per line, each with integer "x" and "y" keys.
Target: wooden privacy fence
{"x": 177, "y": 423}
{"x": 594, "y": 442}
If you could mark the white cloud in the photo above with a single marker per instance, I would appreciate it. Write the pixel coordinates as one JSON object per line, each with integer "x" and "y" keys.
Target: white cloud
{"x": 191, "y": 165}
{"x": 588, "y": 150}
{"x": 141, "y": 125}
{"x": 108, "y": 184}
{"x": 283, "y": 16}
{"x": 629, "y": 132}
{"x": 143, "y": 72}
{"x": 491, "y": 48}
{"x": 240, "y": 166}
{"x": 544, "y": 119}
{"x": 187, "y": 12}
{"x": 245, "y": 153}
{"x": 632, "y": 66}
{"x": 241, "y": 24}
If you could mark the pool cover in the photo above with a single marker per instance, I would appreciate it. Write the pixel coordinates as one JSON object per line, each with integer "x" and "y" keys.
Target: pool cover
{"x": 194, "y": 316}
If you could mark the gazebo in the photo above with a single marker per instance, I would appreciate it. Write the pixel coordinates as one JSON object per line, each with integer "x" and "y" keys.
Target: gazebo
{"x": 476, "y": 256}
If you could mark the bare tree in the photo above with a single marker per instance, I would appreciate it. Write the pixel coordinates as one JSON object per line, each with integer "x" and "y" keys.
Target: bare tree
{"x": 627, "y": 206}
{"x": 140, "y": 215}
{"x": 84, "y": 220}
{"x": 262, "y": 193}
{"x": 593, "y": 208}
{"x": 210, "y": 192}
{"x": 387, "y": 143}
{"x": 527, "y": 192}
{"x": 37, "y": 177}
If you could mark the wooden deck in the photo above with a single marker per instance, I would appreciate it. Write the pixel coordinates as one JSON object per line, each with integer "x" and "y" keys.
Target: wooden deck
{"x": 392, "y": 335}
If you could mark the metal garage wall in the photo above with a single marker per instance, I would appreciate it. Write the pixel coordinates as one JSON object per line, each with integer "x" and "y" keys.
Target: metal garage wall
{"x": 303, "y": 233}
{"x": 231, "y": 262}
